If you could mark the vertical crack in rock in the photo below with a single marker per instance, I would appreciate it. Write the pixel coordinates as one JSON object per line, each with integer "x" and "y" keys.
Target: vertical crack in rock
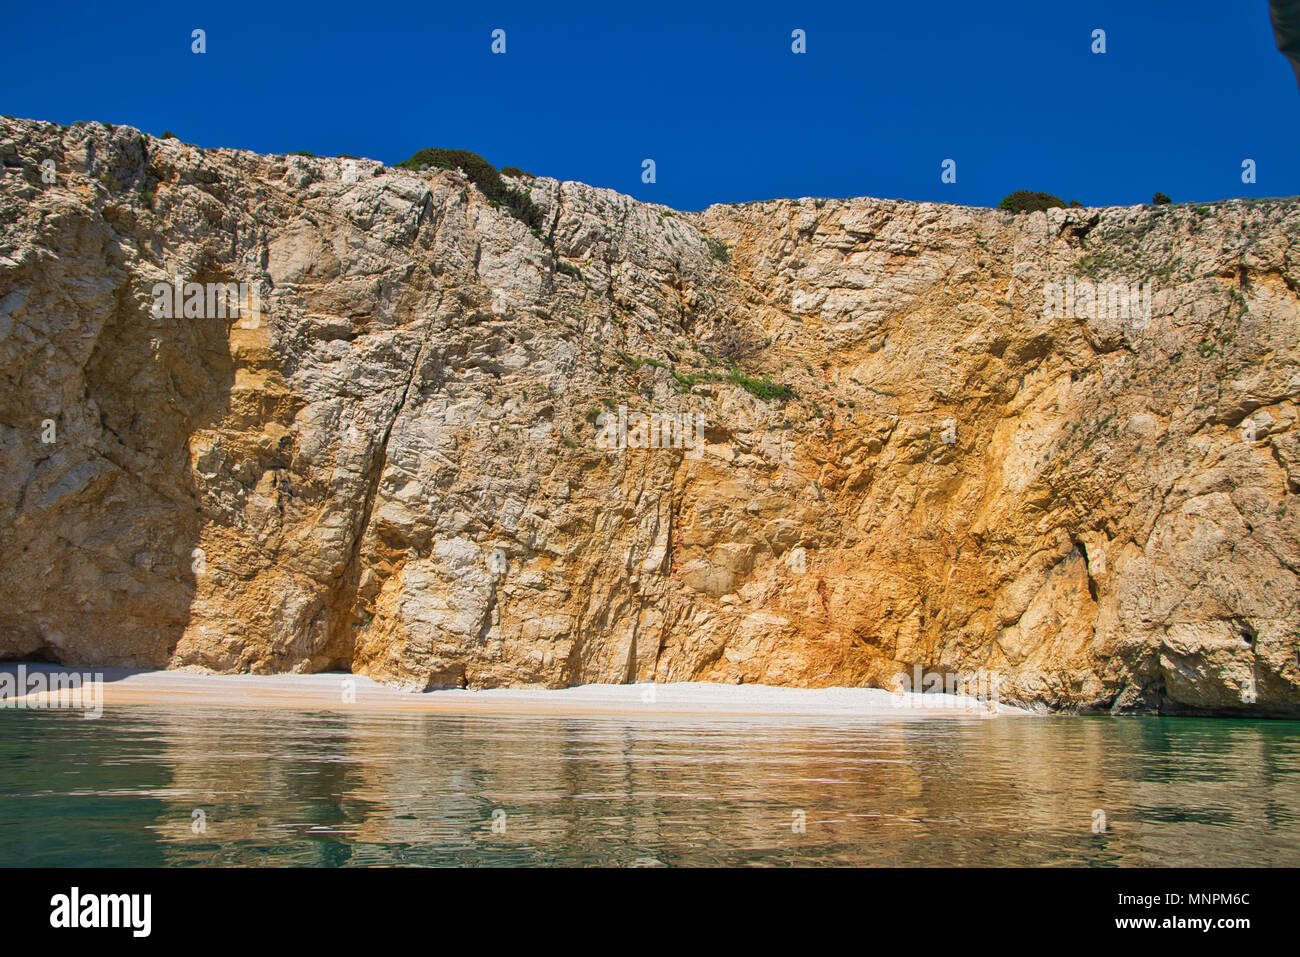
{"x": 555, "y": 220}
{"x": 343, "y": 598}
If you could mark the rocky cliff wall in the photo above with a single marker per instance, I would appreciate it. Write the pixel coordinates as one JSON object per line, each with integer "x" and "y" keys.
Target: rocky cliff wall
{"x": 910, "y": 440}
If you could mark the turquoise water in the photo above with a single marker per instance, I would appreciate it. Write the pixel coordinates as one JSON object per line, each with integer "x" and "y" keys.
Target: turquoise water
{"x": 283, "y": 788}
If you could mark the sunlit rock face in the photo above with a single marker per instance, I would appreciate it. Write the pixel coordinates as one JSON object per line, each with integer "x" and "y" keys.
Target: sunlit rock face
{"x": 800, "y": 442}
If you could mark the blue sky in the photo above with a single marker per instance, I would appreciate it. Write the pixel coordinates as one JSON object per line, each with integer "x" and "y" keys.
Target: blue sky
{"x": 1010, "y": 90}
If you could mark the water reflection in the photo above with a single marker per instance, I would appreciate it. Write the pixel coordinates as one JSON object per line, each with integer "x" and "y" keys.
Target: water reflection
{"x": 333, "y": 789}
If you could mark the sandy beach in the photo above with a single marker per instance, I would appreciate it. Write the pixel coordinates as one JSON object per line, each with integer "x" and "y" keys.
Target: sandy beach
{"x": 27, "y": 686}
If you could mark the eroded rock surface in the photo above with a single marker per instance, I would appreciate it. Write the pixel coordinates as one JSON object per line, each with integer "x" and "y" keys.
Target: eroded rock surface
{"x": 394, "y": 468}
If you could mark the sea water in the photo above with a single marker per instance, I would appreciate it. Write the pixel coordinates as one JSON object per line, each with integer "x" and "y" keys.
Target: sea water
{"x": 147, "y": 786}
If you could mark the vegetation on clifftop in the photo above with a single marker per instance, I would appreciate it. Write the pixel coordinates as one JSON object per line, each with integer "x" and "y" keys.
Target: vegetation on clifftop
{"x": 483, "y": 175}
{"x": 1026, "y": 201}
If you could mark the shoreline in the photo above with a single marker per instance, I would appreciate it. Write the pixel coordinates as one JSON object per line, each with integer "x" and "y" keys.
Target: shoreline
{"x": 337, "y": 691}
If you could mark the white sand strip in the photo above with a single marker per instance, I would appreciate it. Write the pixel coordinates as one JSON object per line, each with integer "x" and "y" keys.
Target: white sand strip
{"x": 343, "y": 692}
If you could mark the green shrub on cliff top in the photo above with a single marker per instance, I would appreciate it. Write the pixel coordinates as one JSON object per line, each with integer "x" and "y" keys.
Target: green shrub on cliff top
{"x": 483, "y": 175}
{"x": 1025, "y": 201}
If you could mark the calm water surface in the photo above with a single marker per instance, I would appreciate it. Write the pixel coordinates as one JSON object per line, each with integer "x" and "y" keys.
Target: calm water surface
{"x": 321, "y": 788}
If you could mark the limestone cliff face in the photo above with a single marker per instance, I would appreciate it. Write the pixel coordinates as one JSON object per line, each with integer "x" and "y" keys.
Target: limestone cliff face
{"x": 394, "y": 468}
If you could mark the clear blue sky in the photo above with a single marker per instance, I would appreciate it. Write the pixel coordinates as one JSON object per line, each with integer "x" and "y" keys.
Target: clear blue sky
{"x": 1010, "y": 90}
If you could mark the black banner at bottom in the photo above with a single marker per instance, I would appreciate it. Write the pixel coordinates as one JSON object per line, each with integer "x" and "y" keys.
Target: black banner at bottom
{"x": 341, "y": 906}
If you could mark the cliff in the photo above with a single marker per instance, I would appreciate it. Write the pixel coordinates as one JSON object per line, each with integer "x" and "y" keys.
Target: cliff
{"x": 914, "y": 437}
